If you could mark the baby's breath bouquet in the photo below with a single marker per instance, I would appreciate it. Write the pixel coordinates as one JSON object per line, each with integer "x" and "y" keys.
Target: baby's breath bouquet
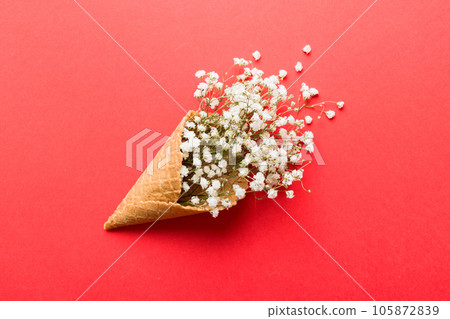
{"x": 246, "y": 137}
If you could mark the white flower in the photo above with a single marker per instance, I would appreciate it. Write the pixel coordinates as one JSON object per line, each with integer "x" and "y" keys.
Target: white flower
{"x": 207, "y": 157}
{"x": 239, "y": 191}
{"x": 215, "y": 212}
{"x": 313, "y": 91}
{"x": 240, "y": 61}
{"x": 202, "y": 86}
{"x": 307, "y": 49}
{"x": 340, "y": 104}
{"x": 243, "y": 171}
{"x": 310, "y": 147}
{"x": 186, "y": 186}
{"x": 223, "y": 164}
{"x": 282, "y": 74}
{"x": 282, "y": 91}
{"x": 290, "y": 194}
{"x": 184, "y": 171}
{"x": 198, "y": 94}
{"x": 298, "y": 67}
{"x": 215, "y": 184}
{"x": 197, "y": 162}
{"x": 281, "y": 121}
{"x": 272, "y": 193}
{"x": 188, "y": 134}
{"x": 212, "y": 201}
{"x": 195, "y": 179}
{"x": 308, "y": 119}
{"x": 330, "y": 114}
{"x": 288, "y": 179}
{"x": 272, "y": 179}
{"x": 211, "y": 191}
{"x": 212, "y": 77}
{"x": 300, "y": 123}
{"x": 256, "y": 186}
{"x": 200, "y": 73}
{"x": 258, "y": 183}
{"x": 291, "y": 120}
{"x": 214, "y": 131}
{"x": 259, "y": 177}
{"x": 306, "y": 95}
{"x": 294, "y": 158}
{"x": 204, "y": 182}
{"x": 256, "y": 55}
{"x": 195, "y": 200}
{"x": 297, "y": 174}
{"x": 304, "y": 87}
{"x": 190, "y": 124}
{"x": 226, "y": 202}
{"x": 263, "y": 167}
{"x": 214, "y": 102}
{"x": 308, "y": 135}
{"x": 195, "y": 142}
{"x": 257, "y": 123}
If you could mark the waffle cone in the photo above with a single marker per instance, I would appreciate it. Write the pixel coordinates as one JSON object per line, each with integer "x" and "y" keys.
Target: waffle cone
{"x": 154, "y": 195}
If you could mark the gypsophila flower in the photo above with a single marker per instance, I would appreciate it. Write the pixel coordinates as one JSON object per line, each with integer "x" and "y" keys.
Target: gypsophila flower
{"x": 215, "y": 184}
{"x": 212, "y": 201}
{"x": 184, "y": 171}
{"x": 197, "y": 162}
{"x": 189, "y": 124}
{"x": 225, "y": 202}
{"x": 246, "y": 137}
{"x": 313, "y": 91}
{"x": 240, "y": 61}
{"x": 215, "y": 212}
{"x": 272, "y": 193}
{"x": 340, "y": 104}
{"x": 290, "y": 194}
{"x": 204, "y": 182}
{"x": 200, "y": 73}
{"x": 213, "y": 103}
{"x": 297, "y": 174}
{"x": 307, "y": 49}
{"x": 256, "y": 55}
{"x": 243, "y": 171}
{"x": 211, "y": 191}
{"x": 306, "y": 95}
{"x": 239, "y": 191}
{"x": 198, "y": 94}
{"x": 330, "y": 114}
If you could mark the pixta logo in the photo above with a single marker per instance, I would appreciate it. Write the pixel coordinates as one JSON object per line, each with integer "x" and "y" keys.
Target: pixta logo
{"x": 142, "y": 148}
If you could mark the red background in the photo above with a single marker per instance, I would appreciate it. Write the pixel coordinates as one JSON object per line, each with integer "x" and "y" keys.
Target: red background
{"x": 70, "y": 98}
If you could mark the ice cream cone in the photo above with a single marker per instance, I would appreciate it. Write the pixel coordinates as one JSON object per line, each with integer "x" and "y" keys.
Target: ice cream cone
{"x": 154, "y": 196}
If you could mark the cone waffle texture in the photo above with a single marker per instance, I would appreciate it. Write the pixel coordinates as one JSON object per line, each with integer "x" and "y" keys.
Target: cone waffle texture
{"x": 154, "y": 196}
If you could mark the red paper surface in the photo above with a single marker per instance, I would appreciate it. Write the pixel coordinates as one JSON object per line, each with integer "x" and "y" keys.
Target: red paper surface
{"x": 70, "y": 97}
